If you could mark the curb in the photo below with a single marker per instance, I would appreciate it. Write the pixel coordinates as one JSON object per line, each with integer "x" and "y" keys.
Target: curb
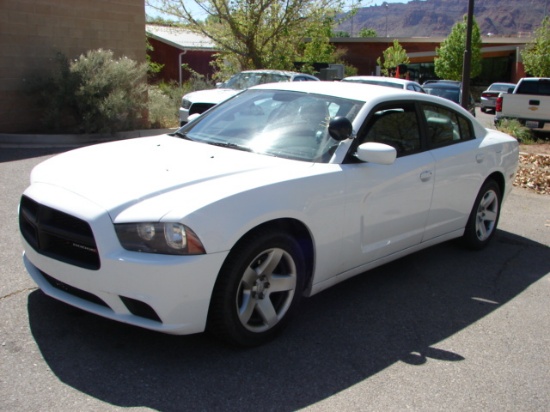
{"x": 46, "y": 141}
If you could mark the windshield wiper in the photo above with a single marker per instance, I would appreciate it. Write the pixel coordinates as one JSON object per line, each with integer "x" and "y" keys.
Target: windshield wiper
{"x": 231, "y": 146}
{"x": 182, "y": 135}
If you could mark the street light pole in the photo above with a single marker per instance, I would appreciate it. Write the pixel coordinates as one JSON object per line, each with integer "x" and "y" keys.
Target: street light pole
{"x": 386, "y": 6}
{"x": 466, "y": 66}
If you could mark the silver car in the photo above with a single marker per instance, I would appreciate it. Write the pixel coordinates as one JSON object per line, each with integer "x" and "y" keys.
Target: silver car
{"x": 489, "y": 96}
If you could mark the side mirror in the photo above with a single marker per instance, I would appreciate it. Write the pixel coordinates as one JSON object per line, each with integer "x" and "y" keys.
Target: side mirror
{"x": 193, "y": 117}
{"x": 378, "y": 153}
{"x": 340, "y": 128}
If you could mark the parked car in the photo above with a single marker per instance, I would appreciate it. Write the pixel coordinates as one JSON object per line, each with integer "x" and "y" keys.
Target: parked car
{"x": 202, "y": 100}
{"x": 528, "y": 102}
{"x": 489, "y": 96}
{"x": 280, "y": 192}
{"x": 386, "y": 81}
{"x": 450, "y": 90}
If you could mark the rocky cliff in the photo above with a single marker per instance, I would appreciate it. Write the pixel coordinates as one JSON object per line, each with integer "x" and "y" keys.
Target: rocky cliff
{"x": 430, "y": 18}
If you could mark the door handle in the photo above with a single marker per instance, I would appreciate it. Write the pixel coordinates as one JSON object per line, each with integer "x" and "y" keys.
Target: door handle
{"x": 425, "y": 175}
{"x": 480, "y": 157}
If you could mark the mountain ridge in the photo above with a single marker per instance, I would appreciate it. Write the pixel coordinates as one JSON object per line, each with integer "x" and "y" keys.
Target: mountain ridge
{"x": 434, "y": 18}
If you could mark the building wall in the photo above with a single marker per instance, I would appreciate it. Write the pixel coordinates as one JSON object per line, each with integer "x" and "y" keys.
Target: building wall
{"x": 197, "y": 60}
{"x": 32, "y": 31}
{"x": 363, "y": 52}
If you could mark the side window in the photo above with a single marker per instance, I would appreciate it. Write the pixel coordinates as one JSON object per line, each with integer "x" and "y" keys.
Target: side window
{"x": 445, "y": 126}
{"x": 303, "y": 78}
{"x": 395, "y": 125}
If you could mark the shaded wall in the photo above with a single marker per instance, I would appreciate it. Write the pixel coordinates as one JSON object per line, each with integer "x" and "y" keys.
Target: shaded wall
{"x": 32, "y": 31}
{"x": 197, "y": 60}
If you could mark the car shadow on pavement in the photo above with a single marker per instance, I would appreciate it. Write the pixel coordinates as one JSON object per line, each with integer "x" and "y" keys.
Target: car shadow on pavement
{"x": 340, "y": 337}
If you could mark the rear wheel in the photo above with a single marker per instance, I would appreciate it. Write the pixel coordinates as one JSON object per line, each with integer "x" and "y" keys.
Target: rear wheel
{"x": 257, "y": 290}
{"x": 483, "y": 220}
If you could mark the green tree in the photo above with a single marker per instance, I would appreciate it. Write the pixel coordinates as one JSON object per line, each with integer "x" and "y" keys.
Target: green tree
{"x": 393, "y": 56}
{"x": 318, "y": 48}
{"x": 252, "y": 34}
{"x": 342, "y": 34}
{"x": 364, "y": 32}
{"x": 450, "y": 56}
{"x": 153, "y": 68}
{"x": 536, "y": 56}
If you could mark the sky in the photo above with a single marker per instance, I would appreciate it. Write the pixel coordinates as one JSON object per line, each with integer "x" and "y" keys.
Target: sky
{"x": 366, "y": 3}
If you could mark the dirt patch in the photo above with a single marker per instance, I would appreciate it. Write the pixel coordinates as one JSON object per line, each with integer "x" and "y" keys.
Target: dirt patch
{"x": 538, "y": 148}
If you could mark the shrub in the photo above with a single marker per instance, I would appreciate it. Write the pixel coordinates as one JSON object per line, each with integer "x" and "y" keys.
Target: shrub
{"x": 95, "y": 93}
{"x": 514, "y": 128}
{"x": 162, "y": 107}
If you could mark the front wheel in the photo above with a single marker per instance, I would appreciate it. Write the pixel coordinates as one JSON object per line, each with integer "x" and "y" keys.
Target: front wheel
{"x": 258, "y": 288}
{"x": 483, "y": 220}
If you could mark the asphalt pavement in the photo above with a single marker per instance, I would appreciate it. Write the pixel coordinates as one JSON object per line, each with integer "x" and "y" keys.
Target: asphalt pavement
{"x": 444, "y": 329}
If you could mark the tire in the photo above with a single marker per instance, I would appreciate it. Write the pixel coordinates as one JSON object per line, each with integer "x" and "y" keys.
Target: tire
{"x": 483, "y": 220}
{"x": 258, "y": 289}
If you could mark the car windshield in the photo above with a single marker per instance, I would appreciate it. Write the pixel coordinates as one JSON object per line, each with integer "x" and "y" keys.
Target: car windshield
{"x": 286, "y": 124}
{"x": 448, "y": 93}
{"x": 245, "y": 80}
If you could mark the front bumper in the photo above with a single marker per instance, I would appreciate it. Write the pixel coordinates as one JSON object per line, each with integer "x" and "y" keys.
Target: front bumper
{"x": 167, "y": 297}
{"x": 165, "y": 293}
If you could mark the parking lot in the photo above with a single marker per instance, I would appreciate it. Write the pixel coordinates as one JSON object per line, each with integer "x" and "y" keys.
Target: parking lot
{"x": 442, "y": 329}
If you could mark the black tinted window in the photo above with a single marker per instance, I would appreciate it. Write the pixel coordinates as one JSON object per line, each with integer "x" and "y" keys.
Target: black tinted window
{"x": 395, "y": 125}
{"x": 445, "y": 126}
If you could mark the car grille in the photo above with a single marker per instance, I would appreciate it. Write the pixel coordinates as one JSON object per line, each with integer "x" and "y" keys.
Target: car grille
{"x": 58, "y": 235}
{"x": 200, "y": 108}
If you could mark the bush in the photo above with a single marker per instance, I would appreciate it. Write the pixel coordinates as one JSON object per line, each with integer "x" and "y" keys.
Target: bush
{"x": 162, "y": 107}
{"x": 95, "y": 93}
{"x": 514, "y": 128}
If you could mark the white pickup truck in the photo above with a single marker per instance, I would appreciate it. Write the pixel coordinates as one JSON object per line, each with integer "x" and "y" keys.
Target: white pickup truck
{"x": 529, "y": 102}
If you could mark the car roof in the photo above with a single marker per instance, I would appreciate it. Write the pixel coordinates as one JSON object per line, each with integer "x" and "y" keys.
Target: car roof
{"x": 287, "y": 72}
{"x": 442, "y": 85}
{"x": 379, "y": 79}
{"x": 355, "y": 91}
{"x": 442, "y": 82}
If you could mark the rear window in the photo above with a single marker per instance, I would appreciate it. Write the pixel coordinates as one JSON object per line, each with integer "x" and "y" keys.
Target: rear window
{"x": 539, "y": 87}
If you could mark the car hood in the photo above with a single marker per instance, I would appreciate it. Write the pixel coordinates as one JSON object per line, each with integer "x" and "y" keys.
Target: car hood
{"x": 141, "y": 178}
{"x": 214, "y": 96}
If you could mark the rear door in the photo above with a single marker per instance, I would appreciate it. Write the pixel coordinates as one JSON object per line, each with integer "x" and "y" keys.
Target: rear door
{"x": 460, "y": 165}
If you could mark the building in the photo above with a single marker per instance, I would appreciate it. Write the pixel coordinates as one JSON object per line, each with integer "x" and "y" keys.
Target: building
{"x": 33, "y": 31}
{"x": 174, "y": 47}
{"x": 501, "y": 56}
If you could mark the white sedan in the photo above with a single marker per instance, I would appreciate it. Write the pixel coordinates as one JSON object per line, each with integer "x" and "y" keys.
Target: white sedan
{"x": 280, "y": 192}
{"x": 386, "y": 81}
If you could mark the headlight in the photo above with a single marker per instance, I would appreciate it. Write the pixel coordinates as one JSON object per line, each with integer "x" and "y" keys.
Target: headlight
{"x": 186, "y": 104}
{"x": 163, "y": 238}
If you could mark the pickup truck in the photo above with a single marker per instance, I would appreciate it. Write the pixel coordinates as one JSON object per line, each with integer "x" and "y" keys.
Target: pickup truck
{"x": 529, "y": 102}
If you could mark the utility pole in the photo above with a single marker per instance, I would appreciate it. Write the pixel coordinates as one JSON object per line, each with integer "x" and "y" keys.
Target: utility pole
{"x": 466, "y": 65}
{"x": 386, "y": 6}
